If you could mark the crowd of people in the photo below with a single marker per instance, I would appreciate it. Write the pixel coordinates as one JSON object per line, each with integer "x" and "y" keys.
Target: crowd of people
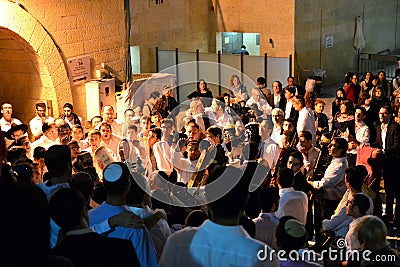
{"x": 73, "y": 195}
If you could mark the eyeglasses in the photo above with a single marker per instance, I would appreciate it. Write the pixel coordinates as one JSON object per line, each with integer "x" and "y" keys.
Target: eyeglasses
{"x": 293, "y": 163}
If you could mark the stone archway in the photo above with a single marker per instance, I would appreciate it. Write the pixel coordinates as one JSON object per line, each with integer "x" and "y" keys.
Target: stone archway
{"x": 27, "y": 40}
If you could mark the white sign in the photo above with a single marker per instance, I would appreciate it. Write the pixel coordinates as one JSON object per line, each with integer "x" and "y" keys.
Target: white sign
{"x": 79, "y": 70}
{"x": 328, "y": 41}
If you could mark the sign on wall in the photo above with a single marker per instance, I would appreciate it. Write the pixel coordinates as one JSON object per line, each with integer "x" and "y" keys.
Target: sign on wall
{"x": 79, "y": 70}
{"x": 328, "y": 41}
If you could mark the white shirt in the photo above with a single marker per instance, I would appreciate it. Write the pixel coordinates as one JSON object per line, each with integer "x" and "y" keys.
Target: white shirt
{"x": 288, "y": 109}
{"x": 43, "y": 141}
{"x": 116, "y": 128}
{"x": 384, "y": 131}
{"x": 36, "y": 125}
{"x": 351, "y": 241}
{"x": 309, "y": 159}
{"x": 362, "y": 136}
{"x": 113, "y": 144}
{"x": 306, "y": 122}
{"x": 276, "y": 134}
{"x": 213, "y": 244}
{"x": 5, "y": 125}
{"x": 266, "y": 224}
{"x": 293, "y": 203}
{"x": 224, "y": 120}
{"x": 270, "y": 152}
{"x": 339, "y": 221}
{"x": 162, "y": 153}
{"x": 277, "y": 99}
{"x": 333, "y": 181}
{"x": 159, "y": 232}
{"x": 184, "y": 167}
{"x": 262, "y": 105}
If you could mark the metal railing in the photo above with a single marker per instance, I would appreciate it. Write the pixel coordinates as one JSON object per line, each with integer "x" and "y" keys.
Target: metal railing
{"x": 377, "y": 62}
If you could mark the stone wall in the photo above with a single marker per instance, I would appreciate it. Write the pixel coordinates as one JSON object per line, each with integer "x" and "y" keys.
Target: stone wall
{"x": 314, "y": 20}
{"x": 183, "y": 24}
{"x": 272, "y": 19}
{"x": 67, "y": 29}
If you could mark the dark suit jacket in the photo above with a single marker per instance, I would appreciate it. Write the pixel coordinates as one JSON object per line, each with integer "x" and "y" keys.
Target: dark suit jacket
{"x": 293, "y": 113}
{"x": 270, "y": 99}
{"x": 92, "y": 249}
{"x": 392, "y": 141}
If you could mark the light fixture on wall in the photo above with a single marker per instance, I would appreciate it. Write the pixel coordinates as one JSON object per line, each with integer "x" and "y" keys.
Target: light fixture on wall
{"x": 272, "y": 42}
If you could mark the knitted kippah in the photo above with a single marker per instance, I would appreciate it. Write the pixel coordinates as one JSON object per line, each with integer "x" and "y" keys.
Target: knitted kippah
{"x": 295, "y": 228}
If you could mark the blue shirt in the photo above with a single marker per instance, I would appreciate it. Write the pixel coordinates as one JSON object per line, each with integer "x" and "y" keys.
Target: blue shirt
{"x": 49, "y": 191}
{"x": 140, "y": 238}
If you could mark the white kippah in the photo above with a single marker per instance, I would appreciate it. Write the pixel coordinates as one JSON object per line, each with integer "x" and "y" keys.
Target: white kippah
{"x": 112, "y": 173}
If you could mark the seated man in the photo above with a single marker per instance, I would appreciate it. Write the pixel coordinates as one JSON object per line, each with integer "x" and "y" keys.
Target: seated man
{"x": 339, "y": 222}
{"x": 68, "y": 209}
{"x": 293, "y": 203}
{"x": 356, "y": 207}
{"x": 116, "y": 178}
{"x": 220, "y": 241}
{"x": 262, "y": 104}
{"x": 267, "y": 222}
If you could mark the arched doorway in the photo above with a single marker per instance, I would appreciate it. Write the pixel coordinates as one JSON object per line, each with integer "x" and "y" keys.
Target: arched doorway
{"x": 32, "y": 68}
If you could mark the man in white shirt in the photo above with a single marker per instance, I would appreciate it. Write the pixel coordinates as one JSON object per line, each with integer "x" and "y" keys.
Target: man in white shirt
{"x": 262, "y": 104}
{"x": 292, "y": 202}
{"x": 267, "y": 222}
{"x": 356, "y": 207}
{"x": 277, "y": 120}
{"x": 37, "y": 122}
{"x": 220, "y": 241}
{"x": 108, "y": 139}
{"x": 309, "y": 151}
{"x": 162, "y": 149}
{"x": 275, "y": 99}
{"x": 94, "y": 140}
{"x": 154, "y": 137}
{"x": 269, "y": 149}
{"x": 306, "y": 120}
{"x": 6, "y": 119}
{"x": 186, "y": 167}
{"x": 108, "y": 115}
{"x": 362, "y": 135}
{"x": 218, "y": 114}
{"x": 339, "y": 222}
{"x": 49, "y": 137}
{"x": 331, "y": 187}
{"x": 286, "y": 104}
